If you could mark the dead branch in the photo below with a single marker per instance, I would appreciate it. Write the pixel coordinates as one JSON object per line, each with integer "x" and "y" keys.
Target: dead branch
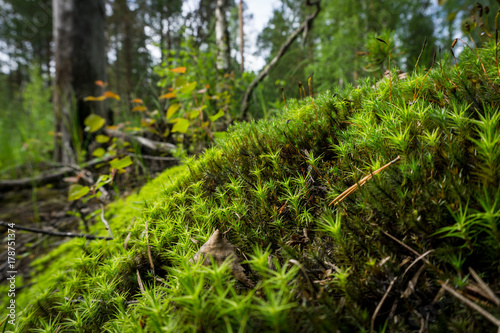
{"x": 147, "y": 143}
{"x": 305, "y": 26}
{"x": 155, "y": 158}
{"x": 52, "y": 233}
{"x": 48, "y": 177}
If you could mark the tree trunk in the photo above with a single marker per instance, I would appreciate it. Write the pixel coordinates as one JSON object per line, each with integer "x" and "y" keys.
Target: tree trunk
{"x": 222, "y": 37}
{"x": 80, "y": 58}
{"x": 127, "y": 45}
{"x": 242, "y": 40}
{"x": 63, "y": 94}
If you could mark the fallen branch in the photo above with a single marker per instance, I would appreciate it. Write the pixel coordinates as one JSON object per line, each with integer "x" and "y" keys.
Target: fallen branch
{"x": 49, "y": 177}
{"x": 156, "y": 158}
{"x": 305, "y": 26}
{"x": 147, "y": 143}
{"x": 52, "y": 233}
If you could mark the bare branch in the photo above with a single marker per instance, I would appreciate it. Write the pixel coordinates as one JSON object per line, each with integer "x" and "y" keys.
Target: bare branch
{"x": 52, "y": 233}
{"x": 49, "y": 177}
{"x": 245, "y": 103}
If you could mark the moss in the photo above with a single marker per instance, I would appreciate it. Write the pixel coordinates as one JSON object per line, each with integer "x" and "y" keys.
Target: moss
{"x": 317, "y": 266}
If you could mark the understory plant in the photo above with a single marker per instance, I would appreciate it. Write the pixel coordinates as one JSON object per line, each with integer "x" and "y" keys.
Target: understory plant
{"x": 366, "y": 209}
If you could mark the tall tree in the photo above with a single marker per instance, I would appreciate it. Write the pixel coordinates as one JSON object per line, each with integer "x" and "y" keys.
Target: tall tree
{"x": 222, "y": 37}
{"x": 242, "y": 36}
{"x": 80, "y": 61}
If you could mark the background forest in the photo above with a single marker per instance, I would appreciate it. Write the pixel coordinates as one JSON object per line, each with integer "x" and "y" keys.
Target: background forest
{"x": 339, "y": 47}
{"x": 327, "y": 153}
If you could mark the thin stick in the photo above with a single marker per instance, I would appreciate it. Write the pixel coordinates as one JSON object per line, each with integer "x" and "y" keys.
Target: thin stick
{"x": 417, "y": 260}
{"x": 390, "y": 75}
{"x": 139, "y": 281}
{"x": 106, "y": 224}
{"x": 496, "y": 43}
{"x": 485, "y": 287}
{"x": 416, "y": 64}
{"x": 149, "y": 249}
{"x": 53, "y": 233}
{"x": 283, "y": 95}
{"x": 428, "y": 71}
{"x": 473, "y": 305}
{"x": 157, "y": 158}
{"x": 125, "y": 243}
{"x": 404, "y": 245}
{"x": 363, "y": 180}
{"x": 379, "y": 306}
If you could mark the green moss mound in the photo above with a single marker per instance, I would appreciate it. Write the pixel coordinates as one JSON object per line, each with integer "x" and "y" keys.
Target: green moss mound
{"x": 376, "y": 259}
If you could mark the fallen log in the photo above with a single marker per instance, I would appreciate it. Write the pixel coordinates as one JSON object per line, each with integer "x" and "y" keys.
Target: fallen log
{"x": 48, "y": 177}
{"x": 147, "y": 143}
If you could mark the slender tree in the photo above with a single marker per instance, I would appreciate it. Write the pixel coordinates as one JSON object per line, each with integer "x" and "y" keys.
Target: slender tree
{"x": 222, "y": 37}
{"x": 242, "y": 39}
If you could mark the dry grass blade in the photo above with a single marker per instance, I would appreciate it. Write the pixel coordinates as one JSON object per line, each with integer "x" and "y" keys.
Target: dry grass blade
{"x": 492, "y": 296}
{"x": 471, "y": 304}
{"x": 139, "y": 281}
{"x": 149, "y": 249}
{"x": 379, "y": 306}
{"x": 363, "y": 180}
{"x": 417, "y": 260}
{"x": 106, "y": 224}
{"x": 127, "y": 239}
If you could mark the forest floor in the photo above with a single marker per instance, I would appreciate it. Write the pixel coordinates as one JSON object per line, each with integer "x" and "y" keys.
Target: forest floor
{"x": 47, "y": 208}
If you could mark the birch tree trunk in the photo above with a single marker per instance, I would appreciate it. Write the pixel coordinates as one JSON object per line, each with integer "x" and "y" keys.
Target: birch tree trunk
{"x": 222, "y": 37}
{"x": 80, "y": 58}
{"x": 242, "y": 37}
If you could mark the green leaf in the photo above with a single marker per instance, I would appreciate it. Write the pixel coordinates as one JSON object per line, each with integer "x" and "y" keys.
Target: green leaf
{"x": 103, "y": 180}
{"x": 179, "y": 82}
{"x": 216, "y": 116}
{"x": 194, "y": 114}
{"x": 188, "y": 87}
{"x": 94, "y": 123}
{"x": 77, "y": 191}
{"x": 121, "y": 163}
{"x": 220, "y": 135}
{"x": 102, "y": 138}
{"x": 181, "y": 125}
{"x": 172, "y": 109}
{"x": 99, "y": 152}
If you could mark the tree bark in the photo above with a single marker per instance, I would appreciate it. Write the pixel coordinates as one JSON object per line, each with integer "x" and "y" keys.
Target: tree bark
{"x": 80, "y": 56}
{"x": 242, "y": 41}
{"x": 222, "y": 37}
{"x": 63, "y": 94}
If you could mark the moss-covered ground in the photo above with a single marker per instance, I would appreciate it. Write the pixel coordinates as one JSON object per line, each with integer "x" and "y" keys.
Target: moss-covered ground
{"x": 375, "y": 260}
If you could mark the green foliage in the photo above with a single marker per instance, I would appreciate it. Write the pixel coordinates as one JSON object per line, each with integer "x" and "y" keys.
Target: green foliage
{"x": 269, "y": 185}
{"x": 26, "y": 127}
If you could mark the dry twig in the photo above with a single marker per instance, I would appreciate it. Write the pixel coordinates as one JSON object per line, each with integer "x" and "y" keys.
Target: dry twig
{"x": 379, "y": 306}
{"x": 53, "y": 233}
{"x": 471, "y": 304}
{"x": 362, "y": 181}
